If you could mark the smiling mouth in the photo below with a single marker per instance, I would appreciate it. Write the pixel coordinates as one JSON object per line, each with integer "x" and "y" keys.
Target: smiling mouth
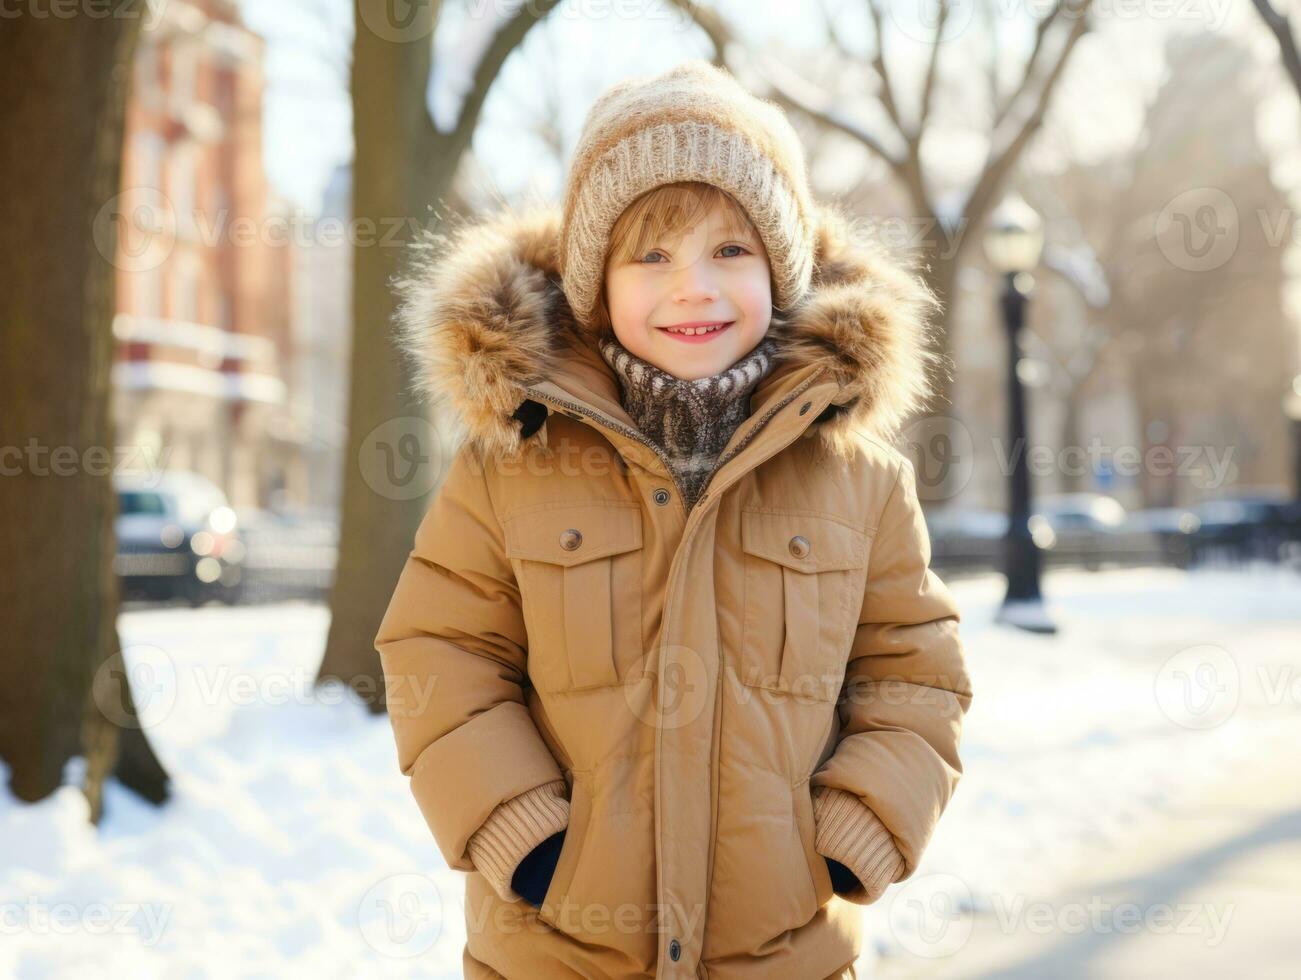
{"x": 696, "y": 330}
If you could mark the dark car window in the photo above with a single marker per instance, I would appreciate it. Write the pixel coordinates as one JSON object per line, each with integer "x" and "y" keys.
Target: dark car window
{"x": 141, "y": 502}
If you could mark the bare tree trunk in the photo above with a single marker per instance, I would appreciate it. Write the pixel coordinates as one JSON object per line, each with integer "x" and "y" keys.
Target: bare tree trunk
{"x": 1072, "y": 480}
{"x": 68, "y": 79}
{"x": 403, "y": 167}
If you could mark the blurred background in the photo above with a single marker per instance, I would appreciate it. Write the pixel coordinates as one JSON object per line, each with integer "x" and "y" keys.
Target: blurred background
{"x": 210, "y": 472}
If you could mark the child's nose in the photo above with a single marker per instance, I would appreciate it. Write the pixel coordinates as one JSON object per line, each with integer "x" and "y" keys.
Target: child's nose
{"x": 695, "y": 283}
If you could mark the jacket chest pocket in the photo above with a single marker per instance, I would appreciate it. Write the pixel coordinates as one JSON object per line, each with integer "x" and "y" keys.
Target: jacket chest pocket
{"x": 804, "y": 580}
{"x": 579, "y": 569}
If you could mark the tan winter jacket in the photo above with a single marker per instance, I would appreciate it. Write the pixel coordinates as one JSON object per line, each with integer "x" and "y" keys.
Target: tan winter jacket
{"x": 707, "y": 703}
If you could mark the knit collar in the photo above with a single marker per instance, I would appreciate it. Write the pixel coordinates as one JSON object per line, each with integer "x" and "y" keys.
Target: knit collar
{"x": 691, "y": 419}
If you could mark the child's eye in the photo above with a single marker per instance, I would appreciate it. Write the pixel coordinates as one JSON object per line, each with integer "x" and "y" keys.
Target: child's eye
{"x": 743, "y": 249}
{"x": 648, "y": 255}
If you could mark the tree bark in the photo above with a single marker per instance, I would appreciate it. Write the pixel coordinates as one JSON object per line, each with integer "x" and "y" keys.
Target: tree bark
{"x": 403, "y": 167}
{"x": 68, "y": 80}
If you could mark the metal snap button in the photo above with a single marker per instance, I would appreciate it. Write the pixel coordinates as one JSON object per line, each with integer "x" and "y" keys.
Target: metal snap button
{"x": 800, "y": 546}
{"x": 661, "y": 496}
{"x": 571, "y": 538}
{"x": 675, "y": 950}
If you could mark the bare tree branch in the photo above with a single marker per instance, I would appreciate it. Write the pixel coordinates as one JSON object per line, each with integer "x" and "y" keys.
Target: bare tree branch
{"x": 831, "y": 37}
{"x": 1001, "y": 161}
{"x": 1278, "y": 22}
{"x": 791, "y": 89}
{"x": 932, "y": 70}
{"x": 1032, "y": 62}
{"x": 507, "y": 39}
{"x": 709, "y": 21}
{"x": 878, "y": 63}
{"x": 991, "y": 66}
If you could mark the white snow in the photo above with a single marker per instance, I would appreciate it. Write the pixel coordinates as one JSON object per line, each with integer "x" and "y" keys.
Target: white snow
{"x": 292, "y": 846}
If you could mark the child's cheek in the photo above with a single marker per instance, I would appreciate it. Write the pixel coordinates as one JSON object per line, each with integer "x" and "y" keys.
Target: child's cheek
{"x": 754, "y": 294}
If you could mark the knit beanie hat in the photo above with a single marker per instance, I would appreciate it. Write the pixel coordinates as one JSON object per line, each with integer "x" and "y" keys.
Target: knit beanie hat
{"x": 693, "y": 122}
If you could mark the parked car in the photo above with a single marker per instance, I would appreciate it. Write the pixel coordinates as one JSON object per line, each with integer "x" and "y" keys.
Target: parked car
{"x": 177, "y": 538}
{"x": 290, "y": 554}
{"x": 1258, "y": 525}
{"x": 1090, "y": 529}
{"x": 1174, "y": 529}
{"x": 966, "y": 538}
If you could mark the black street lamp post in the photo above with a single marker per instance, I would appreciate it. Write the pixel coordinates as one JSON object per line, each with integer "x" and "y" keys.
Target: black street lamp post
{"x": 1013, "y": 244}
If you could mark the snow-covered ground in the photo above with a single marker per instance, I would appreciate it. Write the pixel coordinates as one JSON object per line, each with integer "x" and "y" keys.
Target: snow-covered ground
{"x": 292, "y": 846}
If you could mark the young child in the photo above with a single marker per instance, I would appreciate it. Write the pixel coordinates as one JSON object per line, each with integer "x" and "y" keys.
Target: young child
{"x": 667, "y": 666}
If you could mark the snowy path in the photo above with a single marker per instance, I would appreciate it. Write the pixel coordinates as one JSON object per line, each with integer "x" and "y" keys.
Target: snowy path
{"x": 292, "y": 846}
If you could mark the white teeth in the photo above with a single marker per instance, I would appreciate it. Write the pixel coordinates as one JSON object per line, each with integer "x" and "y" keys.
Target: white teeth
{"x": 693, "y": 331}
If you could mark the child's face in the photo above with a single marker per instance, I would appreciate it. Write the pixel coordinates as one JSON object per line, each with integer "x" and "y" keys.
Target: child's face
{"x": 710, "y": 275}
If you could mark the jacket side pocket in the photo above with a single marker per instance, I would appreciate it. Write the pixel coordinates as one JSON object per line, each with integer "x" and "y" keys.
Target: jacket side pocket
{"x": 801, "y": 795}
{"x": 553, "y": 911}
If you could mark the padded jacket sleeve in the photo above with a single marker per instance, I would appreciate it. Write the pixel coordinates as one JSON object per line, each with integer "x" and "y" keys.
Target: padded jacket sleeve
{"x": 879, "y": 795}
{"x": 453, "y": 648}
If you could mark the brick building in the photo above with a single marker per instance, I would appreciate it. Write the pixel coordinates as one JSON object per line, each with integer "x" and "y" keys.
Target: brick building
{"x": 204, "y": 265}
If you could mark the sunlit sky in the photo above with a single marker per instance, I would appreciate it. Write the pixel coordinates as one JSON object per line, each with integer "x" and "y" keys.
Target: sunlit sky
{"x": 1097, "y": 110}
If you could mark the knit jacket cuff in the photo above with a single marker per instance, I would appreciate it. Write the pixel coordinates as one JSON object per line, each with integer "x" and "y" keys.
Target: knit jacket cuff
{"x": 513, "y": 829}
{"x": 849, "y": 832}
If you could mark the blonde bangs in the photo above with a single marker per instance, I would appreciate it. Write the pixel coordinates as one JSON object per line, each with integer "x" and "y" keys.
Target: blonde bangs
{"x": 666, "y": 212}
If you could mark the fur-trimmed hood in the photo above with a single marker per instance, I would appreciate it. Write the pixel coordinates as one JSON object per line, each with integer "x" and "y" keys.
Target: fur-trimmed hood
{"x": 482, "y": 316}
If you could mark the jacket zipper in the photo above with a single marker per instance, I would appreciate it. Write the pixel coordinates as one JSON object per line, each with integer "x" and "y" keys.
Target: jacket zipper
{"x": 745, "y": 440}
{"x": 675, "y": 565}
{"x": 634, "y": 434}
{"x": 614, "y": 424}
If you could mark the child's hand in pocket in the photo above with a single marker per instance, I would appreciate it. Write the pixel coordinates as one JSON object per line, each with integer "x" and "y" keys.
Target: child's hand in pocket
{"x": 533, "y": 876}
{"x": 842, "y": 879}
